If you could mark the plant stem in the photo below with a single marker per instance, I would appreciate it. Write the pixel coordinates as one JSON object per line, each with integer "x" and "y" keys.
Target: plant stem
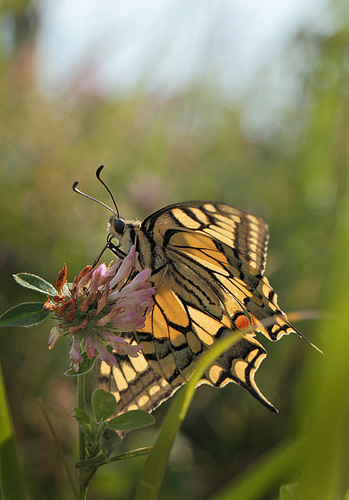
{"x": 82, "y": 444}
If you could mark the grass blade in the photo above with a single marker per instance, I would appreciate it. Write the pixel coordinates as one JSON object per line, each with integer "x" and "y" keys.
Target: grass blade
{"x": 12, "y": 479}
{"x": 155, "y": 465}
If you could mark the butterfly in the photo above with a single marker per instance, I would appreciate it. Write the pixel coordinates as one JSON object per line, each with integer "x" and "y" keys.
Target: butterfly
{"x": 207, "y": 262}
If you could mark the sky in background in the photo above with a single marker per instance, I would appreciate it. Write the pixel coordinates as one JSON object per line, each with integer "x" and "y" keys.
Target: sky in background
{"x": 163, "y": 46}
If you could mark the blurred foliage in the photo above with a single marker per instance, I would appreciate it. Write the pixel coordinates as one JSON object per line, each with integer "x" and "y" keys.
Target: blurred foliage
{"x": 159, "y": 150}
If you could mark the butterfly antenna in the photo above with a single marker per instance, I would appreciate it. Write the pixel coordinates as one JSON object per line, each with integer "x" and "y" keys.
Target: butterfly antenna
{"x": 98, "y": 175}
{"x": 92, "y": 198}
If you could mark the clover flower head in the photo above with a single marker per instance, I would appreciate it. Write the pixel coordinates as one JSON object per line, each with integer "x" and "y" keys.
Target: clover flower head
{"x": 101, "y": 302}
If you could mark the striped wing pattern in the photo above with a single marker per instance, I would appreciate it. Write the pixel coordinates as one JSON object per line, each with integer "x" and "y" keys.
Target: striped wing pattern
{"x": 207, "y": 262}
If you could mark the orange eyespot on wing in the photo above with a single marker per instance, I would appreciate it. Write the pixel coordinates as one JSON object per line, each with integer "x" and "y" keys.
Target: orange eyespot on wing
{"x": 241, "y": 322}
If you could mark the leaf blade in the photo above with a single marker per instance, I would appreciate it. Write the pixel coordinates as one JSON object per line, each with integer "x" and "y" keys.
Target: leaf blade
{"x": 25, "y": 314}
{"x": 131, "y": 420}
{"x": 81, "y": 416}
{"x": 84, "y": 366}
{"x": 131, "y": 454}
{"x": 103, "y": 404}
{"x": 34, "y": 282}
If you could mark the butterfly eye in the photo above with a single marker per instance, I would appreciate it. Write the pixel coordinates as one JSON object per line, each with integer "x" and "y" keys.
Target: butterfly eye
{"x": 119, "y": 225}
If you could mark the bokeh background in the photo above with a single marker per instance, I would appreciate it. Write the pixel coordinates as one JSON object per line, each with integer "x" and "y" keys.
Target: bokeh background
{"x": 242, "y": 102}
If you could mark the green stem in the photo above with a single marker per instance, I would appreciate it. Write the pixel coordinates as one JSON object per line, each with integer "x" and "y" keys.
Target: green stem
{"x": 82, "y": 443}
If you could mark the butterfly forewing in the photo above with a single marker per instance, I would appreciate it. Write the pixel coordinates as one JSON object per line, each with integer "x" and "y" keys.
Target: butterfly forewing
{"x": 207, "y": 261}
{"x": 244, "y": 232}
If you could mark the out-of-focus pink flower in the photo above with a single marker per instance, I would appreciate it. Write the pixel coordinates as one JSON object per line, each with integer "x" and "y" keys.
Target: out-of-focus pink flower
{"x": 102, "y": 301}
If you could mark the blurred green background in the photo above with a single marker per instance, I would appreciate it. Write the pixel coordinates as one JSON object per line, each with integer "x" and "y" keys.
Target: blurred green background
{"x": 161, "y": 149}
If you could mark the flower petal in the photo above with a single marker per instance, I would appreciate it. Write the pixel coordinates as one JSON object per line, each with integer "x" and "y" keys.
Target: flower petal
{"x": 111, "y": 271}
{"x": 111, "y": 337}
{"x": 128, "y": 321}
{"x": 125, "y": 348}
{"x": 103, "y": 354}
{"x": 124, "y": 269}
{"x": 102, "y": 301}
{"x": 82, "y": 280}
{"x": 85, "y": 304}
{"x": 139, "y": 299}
{"x": 97, "y": 277}
{"x": 89, "y": 346}
{"x": 105, "y": 319}
{"x": 55, "y": 333}
{"x": 138, "y": 282}
{"x": 74, "y": 353}
{"x": 72, "y": 330}
{"x": 61, "y": 279}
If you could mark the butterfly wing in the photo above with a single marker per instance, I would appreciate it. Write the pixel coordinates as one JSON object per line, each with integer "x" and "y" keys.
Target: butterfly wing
{"x": 207, "y": 261}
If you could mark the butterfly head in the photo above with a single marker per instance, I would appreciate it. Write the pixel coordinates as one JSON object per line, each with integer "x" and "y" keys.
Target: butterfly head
{"x": 124, "y": 231}
{"x": 116, "y": 225}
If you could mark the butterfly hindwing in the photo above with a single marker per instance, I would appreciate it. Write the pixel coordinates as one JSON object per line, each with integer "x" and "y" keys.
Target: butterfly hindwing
{"x": 134, "y": 383}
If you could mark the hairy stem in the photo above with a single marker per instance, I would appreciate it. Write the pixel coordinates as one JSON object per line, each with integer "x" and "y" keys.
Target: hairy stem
{"x": 82, "y": 442}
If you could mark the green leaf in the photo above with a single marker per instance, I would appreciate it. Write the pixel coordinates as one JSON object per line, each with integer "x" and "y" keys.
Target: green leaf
{"x": 109, "y": 440}
{"x": 84, "y": 366}
{"x": 66, "y": 288}
{"x": 94, "y": 427}
{"x": 81, "y": 416}
{"x": 94, "y": 461}
{"x": 131, "y": 454}
{"x": 26, "y": 314}
{"x": 133, "y": 419}
{"x": 103, "y": 404}
{"x": 101, "y": 428}
{"x": 35, "y": 283}
{"x": 86, "y": 429}
{"x": 103, "y": 458}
